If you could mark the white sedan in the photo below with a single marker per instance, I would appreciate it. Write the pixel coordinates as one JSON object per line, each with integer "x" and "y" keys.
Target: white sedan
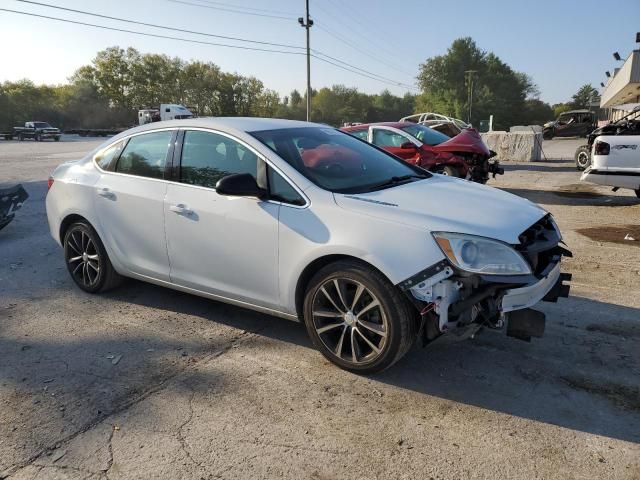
{"x": 305, "y": 222}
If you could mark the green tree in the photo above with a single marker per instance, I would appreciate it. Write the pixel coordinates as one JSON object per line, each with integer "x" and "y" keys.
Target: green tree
{"x": 584, "y": 97}
{"x": 497, "y": 89}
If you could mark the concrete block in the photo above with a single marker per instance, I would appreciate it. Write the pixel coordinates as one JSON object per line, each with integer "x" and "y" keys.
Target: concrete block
{"x": 515, "y": 146}
{"x": 526, "y": 128}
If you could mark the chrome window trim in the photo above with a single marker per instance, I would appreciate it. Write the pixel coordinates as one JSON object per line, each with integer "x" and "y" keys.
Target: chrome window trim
{"x": 208, "y": 130}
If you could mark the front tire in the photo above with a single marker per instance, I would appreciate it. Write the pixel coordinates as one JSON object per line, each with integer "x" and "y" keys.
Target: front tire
{"x": 582, "y": 157}
{"x": 87, "y": 260}
{"x": 357, "y": 318}
{"x": 638, "y": 193}
{"x": 450, "y": 171}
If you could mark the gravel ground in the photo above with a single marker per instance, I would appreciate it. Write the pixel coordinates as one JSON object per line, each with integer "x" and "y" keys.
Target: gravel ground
{"x": 145, "y": 382}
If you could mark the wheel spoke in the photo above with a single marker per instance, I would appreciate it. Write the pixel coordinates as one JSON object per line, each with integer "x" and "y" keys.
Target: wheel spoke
{"x": 75, "y": 259}
{"x": 326, "y": 294}
{"x": 93, "y": 257}
{"x": 339, "y": 290}
{"x": 338, "y": 350}
{"x": 73, "y": 243}
{"x": 354, "y": 346}
{"x": 329, "y": 327}
{"x": 326, "y": 313}
{"x": 373, "y": 327}
{"x": 356, "y": 296}
{"x": 373, "y": 347}
{"x": 374, "y": 303}
{"x": 84, "y": 273}
{"x": 95, "y": 267}
{"x": 75, "y": 270}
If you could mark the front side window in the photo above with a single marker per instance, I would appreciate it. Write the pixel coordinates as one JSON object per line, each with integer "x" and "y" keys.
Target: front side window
{"x": 282, "y": 191}
{"x": 145, "y": 155}
{"x": 106, "y": 159}
{"x": 336, "y": 161}
{"x": 425, "y": 134}
{"x": 387, "y": 138}
{"x": 207, "y": 157}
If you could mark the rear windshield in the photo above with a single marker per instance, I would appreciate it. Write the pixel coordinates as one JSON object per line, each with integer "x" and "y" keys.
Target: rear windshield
{"x": 336, "y": 161}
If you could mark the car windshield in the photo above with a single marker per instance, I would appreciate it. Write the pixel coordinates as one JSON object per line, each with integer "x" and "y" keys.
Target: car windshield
{"x": 425, "y": 134}
{"x": 41, "y": 125}
{"x": 338, "y": 162}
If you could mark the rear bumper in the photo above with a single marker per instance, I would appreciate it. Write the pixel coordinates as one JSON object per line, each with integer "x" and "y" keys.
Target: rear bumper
{"x": 613, "y": 178}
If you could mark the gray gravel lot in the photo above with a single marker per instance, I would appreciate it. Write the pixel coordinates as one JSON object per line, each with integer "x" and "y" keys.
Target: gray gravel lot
{"x": 145, "y": 382}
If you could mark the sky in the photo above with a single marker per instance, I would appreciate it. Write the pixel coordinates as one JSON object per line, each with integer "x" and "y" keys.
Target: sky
{"x": 561, "y": 44}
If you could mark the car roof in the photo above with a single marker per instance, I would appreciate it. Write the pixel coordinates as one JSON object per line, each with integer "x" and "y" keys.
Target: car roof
{"x": 244, "y": 124}
{"x": 383, "y": 124}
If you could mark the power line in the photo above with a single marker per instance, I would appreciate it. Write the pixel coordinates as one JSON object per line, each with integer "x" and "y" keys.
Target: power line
{"x": 224, "y": 9}
{"x": 349, "y": 27}
{"x": 355, "y": 47}
{"x": 389, "y": 82}
{"x": 345, "y": 7}
{"x": 243, "y": 7}
{"x": 394, "y": 82}
{"x": 346, "y": 66}
{"x": 146, "y": 34}
{"x": 159, "y": 26}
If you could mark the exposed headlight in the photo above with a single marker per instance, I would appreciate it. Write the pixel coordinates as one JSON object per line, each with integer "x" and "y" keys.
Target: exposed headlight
{"x": 481, "y": 255}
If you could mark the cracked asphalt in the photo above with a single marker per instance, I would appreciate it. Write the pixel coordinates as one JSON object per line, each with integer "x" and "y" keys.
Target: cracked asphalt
{"x": 145, "y": 382}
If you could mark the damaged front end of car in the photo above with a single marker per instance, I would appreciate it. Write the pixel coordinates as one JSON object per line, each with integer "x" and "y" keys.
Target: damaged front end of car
{"x": 11, "y": 200}
{"x": 483, "y": 282}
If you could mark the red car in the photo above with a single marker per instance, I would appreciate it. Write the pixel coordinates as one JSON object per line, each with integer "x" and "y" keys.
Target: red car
{"x": 464, "y": 156}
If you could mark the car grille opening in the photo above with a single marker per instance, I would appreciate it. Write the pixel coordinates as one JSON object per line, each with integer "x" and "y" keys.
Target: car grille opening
{"x": 538, "y": 244}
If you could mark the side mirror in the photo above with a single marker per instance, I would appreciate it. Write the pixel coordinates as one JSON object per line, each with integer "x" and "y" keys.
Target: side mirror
{"x": 408, "y": 146}
{"x": 240, "y": 185}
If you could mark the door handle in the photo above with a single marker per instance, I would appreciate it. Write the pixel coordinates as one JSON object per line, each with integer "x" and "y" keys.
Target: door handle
{"x": 105, "y": 192}
{"x": 180, "y": 209}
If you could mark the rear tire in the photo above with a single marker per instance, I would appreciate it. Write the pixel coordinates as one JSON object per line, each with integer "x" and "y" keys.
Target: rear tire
{"x": 357, "y": 318}
{"x": 87, "y": 260}
{"x": 582, "y": 157}
{"x": 57, "y": 139}
{"x": 20, "y": 137}
{"x": 638, "y": 193}
{"x": 36, "y": 138}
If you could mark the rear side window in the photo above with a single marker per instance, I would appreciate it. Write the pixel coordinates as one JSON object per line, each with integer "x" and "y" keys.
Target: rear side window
{"x": 145, "y": 155}
{"x": 107, "y": 158}
{"x": 207, "y": 157}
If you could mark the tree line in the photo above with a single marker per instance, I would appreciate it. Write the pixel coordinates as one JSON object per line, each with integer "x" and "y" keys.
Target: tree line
{"x": 108, "y": 92}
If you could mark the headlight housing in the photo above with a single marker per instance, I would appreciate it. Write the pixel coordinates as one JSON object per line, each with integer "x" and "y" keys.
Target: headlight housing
{"x": 481, "y": 255}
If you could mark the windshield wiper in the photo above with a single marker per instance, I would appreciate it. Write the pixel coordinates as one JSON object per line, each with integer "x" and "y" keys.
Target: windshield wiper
{"x": 396, "y": 181}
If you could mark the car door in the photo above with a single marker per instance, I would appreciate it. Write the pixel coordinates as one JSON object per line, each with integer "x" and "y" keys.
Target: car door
{"x": 129, "y": 202}
{"x": 392, "y": 142}
{"x": 222, "y": 245}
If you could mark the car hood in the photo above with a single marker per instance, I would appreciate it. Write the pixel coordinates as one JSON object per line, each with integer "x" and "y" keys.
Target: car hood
{"x": 442, "y": 203}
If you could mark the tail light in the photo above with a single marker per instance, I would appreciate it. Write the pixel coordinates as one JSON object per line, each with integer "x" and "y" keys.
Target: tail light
{"x": 601, "y": 148}
{"x": 49, "y": 183}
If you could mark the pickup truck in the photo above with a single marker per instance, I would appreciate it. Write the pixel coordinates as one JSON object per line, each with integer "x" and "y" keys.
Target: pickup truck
{"x": 37, "y": 130}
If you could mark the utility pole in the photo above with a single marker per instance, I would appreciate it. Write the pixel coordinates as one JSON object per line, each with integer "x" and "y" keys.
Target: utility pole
{"x": 307, "y": 25}
{"x": 470, "y": 73}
